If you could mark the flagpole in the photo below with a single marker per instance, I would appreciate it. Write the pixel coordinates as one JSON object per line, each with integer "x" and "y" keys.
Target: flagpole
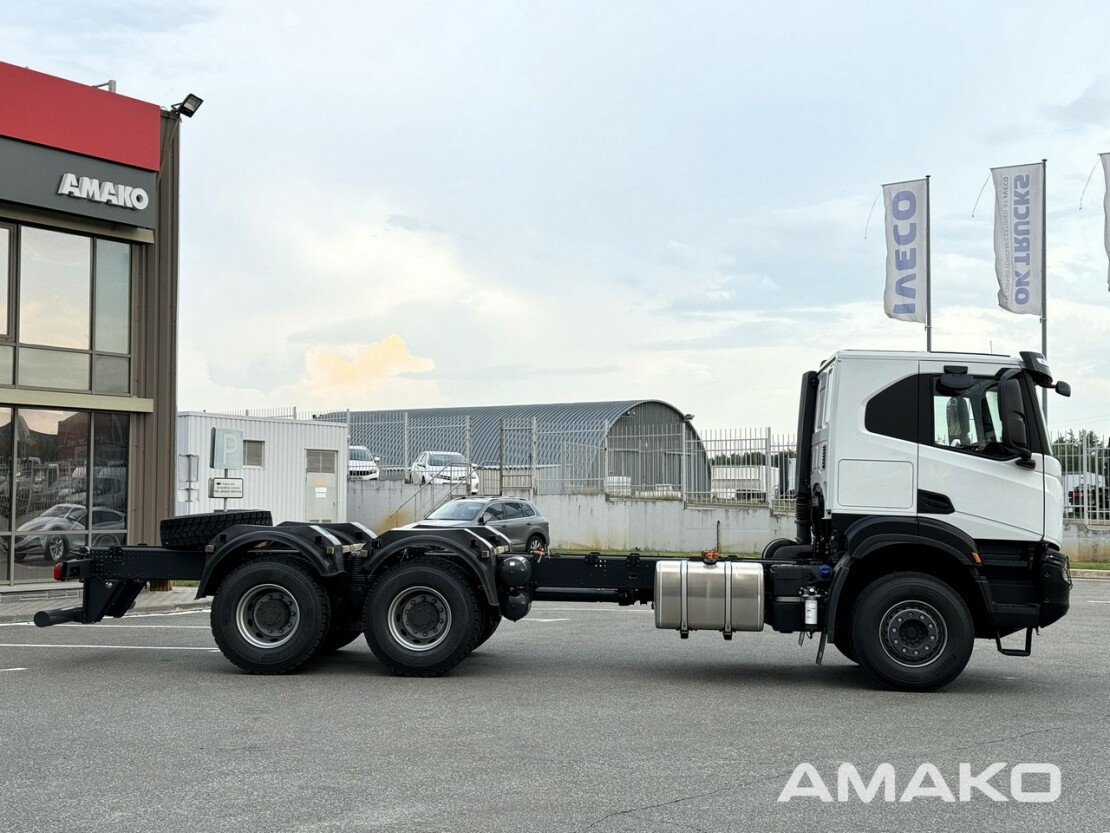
{"x": 1044, "y": 279}
{"x": 928, "y": 268}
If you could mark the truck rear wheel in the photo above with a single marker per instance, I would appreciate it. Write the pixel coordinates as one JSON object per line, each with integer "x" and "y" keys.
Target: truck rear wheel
{"x": 422, "y": 618}
{"x": 912, "y": 632}
{"x": 491, "y": 618}
{"x": 270, "y": 615}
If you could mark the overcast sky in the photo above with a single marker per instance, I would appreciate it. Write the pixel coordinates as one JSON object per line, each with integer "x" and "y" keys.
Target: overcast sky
{"x": 389, "y": 205}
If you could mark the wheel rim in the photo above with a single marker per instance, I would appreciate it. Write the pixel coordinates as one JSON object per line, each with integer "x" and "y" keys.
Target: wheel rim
{"x": 419, "y": 618}
{"x": 913, "y": 633}
{"x": 56, "y": 548}
{"x": 267, "y": 616}
{"x": 535, "y": 543}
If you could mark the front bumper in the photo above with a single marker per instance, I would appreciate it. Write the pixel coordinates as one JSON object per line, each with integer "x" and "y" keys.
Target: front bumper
{"x": 1055, "y": 587}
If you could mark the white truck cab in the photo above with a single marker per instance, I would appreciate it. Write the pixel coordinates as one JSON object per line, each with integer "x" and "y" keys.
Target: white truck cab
{"x": 931, "y": 435}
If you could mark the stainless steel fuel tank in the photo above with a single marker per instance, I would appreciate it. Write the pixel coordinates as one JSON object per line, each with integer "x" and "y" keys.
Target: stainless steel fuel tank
{"x": 722, "y": 596}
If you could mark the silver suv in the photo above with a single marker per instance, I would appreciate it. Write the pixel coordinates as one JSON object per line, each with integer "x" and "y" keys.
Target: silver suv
{"x": 517, "y": 519}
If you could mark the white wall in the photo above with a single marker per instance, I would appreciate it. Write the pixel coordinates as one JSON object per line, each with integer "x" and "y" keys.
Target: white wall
{"x": 593, "y": 522}
{"x": 280, "y": 484}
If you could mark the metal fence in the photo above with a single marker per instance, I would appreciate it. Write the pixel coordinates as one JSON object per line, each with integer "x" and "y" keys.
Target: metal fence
{"x": 746, "y": 467}
{"x": 752, "y": 467}
{"x": 1086, "y": 466}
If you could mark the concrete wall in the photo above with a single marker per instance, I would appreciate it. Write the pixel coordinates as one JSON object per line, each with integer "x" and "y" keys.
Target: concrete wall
{"x": 593, "y": 522}
{"x": 596, "y": 522}
{"x": 1085, "y": 543}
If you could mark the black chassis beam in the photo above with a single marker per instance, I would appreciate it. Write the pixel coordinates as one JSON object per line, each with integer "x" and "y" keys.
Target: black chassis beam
{"x": 114, "y": 577}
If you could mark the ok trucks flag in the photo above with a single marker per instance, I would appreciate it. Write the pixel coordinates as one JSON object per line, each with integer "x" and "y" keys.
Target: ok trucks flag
{"x": 1019, "y": 237}
{"x": 1105, "y": 157}
{"x": 907, "y": 250}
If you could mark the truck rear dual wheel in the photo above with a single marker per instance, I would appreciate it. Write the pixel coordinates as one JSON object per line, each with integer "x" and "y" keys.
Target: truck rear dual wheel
{"x": 912, "y": 632}
{"x": 270, "y": 615}
{"x": 491, "y": 618}
{"x": 422, "y": 618}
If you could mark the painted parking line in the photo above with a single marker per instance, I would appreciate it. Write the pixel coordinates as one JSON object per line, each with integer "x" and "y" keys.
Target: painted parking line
{"x": 116, "y": 647}
{"x": 12, "y": 669}
{"x": 1099, "y": 601}
{"x": 106, "y": 626}
{"x": 536, "y": 619}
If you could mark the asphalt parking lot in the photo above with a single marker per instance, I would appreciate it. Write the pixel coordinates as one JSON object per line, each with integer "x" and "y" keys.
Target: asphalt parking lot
{"x": 578, "y": 718}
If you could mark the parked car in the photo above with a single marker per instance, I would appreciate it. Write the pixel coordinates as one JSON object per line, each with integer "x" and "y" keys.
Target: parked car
{"x": 60, "y": 526}
{"x": 443, "y": 467}
{"x": 361, "y": 464}
{"x": 517, "y": 519}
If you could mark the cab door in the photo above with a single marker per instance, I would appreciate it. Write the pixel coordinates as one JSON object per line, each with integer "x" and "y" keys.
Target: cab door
{"x": 969, "y": 475}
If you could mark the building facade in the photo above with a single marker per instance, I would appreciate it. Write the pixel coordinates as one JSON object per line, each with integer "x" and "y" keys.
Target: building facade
{"x": 88, "y": 316}
{"x": 296, "y": 469}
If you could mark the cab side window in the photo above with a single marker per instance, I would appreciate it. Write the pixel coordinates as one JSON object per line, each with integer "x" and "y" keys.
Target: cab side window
{"x": 968, "y": 420}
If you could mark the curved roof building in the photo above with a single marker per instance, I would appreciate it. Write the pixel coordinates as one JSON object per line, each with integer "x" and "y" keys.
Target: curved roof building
{"x": 644, "y": 443}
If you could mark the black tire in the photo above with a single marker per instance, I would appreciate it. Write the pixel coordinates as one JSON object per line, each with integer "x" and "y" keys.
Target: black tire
{"x": 427, "y": 591}
{"x": 345, "y": 628}
{"x": 296, "y": 608}
{"x": 845, "y": 648}
{"x": 535, "y": 542}
{"x": 491, "y": 618}
{"x": 337, "y": 639}
{"x": 193, "y": 532}
{"x": 912, "y": 632}
{"x": 56, "y": 548}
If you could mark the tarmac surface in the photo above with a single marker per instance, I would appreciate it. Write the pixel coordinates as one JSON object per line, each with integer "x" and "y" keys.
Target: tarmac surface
{"x": 580, "y": 717}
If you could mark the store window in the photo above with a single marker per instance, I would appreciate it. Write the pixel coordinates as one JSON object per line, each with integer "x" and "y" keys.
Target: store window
{"x": 72, "y": 322}
{"x": 63, "y": 484}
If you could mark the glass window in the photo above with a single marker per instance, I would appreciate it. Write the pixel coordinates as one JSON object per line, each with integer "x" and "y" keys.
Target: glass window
{"x": 50, "y": 514}
{"x": 512, "y": 510}
{"x": 496, "y": 511}
{"x": 111, "y": 374}
{"x": 7, "y": 364}
{"x": 5, "y": 488}
{"x": 5, "y": 279}
{"x": 113, "y": 297}
{"x": 110, "y": 457}
{"x": 53, "y": 369}
{"x": 968, "y": 420}
{"x": 54, "y": 289}
{"x": 254, "y": 455}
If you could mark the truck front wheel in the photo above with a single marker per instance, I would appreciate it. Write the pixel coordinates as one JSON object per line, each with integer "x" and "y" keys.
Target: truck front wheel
{"x": 270, "y": 615}
{"x": 912, "y": 632}
{"x": 422, "y": 618}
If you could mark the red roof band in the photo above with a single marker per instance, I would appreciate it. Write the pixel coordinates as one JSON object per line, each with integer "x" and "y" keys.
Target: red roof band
{"x": 51, "y": 111}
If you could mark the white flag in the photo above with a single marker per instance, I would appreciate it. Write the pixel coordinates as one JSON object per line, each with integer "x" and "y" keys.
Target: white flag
{"x": 1019, "y": 237}
{"x": 1105, "y": 157}
{"x": 907, "y": 250}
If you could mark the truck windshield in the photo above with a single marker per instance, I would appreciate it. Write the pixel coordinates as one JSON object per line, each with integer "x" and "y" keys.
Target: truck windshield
{"x": 458, "y": 510}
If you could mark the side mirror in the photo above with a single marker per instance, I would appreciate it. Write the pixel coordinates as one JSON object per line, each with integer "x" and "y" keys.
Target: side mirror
{"x": 1015, "y": 434}
{"x": 483, "y": 519}
{"x": 1063, "y": 388}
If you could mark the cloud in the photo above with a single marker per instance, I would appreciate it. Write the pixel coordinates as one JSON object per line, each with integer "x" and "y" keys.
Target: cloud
{"x": 1090, "y": 109}
{"x": 329, "y": 371}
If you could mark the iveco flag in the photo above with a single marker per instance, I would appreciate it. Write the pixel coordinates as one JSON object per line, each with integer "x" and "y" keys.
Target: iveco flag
{"x": 1106, "y": 205}
{"x": 907, "y": 250}
{"x": 1019, "y": 237}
